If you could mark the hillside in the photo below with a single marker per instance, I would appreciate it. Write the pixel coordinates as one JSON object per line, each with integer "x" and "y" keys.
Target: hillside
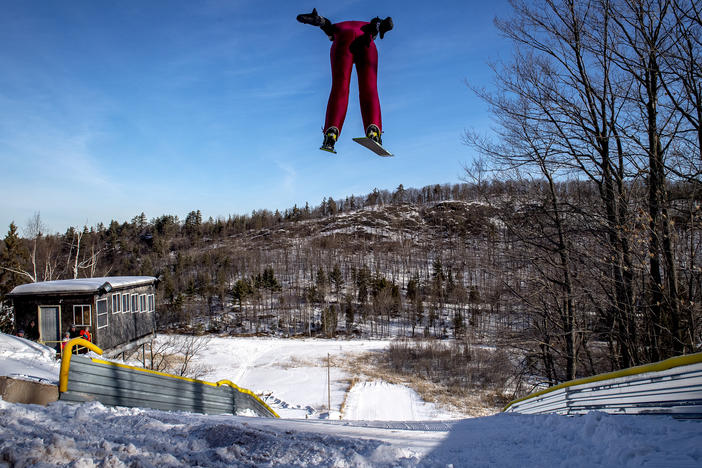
{"x": 536, "y": 272}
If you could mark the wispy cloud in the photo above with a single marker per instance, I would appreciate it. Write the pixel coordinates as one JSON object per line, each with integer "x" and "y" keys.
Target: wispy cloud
{"x": 289, "y": 176}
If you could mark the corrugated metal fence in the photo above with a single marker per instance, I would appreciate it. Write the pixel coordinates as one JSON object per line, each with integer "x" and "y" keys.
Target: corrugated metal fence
{"x": 114, "y": 384}
{"x": 673, "y": 386}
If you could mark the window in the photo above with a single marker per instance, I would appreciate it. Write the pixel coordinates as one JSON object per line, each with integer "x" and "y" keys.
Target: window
{"x": 152, "y": 305}
{"x": 81, "y": 315}
{"x": 135, "y": 303}
{"x": 102, "y": 313}
{"x": 142, "y": 303}
{"x": 125, "y": 303}
{"x": 116, "y": 303}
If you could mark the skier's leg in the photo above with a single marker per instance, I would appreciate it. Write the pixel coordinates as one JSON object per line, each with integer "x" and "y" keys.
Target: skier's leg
{"x": 367, "y": 70}
{"x": 341, "y": 65}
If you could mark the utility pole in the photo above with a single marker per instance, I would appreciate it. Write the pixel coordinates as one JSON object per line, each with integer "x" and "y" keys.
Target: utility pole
{"x": 329, "y": 384}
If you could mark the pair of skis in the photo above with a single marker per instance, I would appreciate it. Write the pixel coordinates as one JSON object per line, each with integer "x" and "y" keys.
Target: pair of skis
{"x": 371, "y": 145}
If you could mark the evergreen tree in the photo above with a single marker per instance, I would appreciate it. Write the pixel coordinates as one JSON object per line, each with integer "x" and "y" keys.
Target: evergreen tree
{"x": 329, "y": 320}
{"x": 321, "y": 283}
{"x": 12, "y": 260}
{"x": 332, "y": 209}
{"x": 399, "y": 196}
{"x": 336, "y": 279}
{"x": 349, "y": 313}
{"x": 438, "y": 279}
{"x": 241, "y": 290}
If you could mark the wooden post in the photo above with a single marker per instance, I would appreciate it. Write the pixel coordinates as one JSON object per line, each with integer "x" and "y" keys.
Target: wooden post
{"x": 329, "y": 384}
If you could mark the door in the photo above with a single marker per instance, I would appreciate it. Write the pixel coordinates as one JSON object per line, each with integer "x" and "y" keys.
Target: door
{"x": 50, "y": 325}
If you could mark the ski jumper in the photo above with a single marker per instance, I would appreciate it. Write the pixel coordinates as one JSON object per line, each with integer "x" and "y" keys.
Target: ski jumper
{"x": 352, "y": 45}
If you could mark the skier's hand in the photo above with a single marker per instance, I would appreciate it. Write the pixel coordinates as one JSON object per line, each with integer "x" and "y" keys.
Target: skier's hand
{"x": 385, "y": 26}
{"x": 310, "y": 18}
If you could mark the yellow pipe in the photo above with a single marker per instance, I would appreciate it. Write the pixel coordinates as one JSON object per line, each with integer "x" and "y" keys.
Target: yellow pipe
{"x": 654, "y": 367}
{"x": 219, "y": 383}
{"x": 66, "y": 359}
{"x": 248, "y": 392}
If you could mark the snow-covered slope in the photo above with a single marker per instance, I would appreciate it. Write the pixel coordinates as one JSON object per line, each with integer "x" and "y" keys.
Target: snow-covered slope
{"x": 90, "y": 434}
{"x": 291, "y": 374}
{"x": 381, "y": 401}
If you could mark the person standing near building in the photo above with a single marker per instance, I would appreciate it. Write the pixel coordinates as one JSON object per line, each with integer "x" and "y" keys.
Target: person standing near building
{"x": 32, "y": 330}
{"x": 66, "y": 339}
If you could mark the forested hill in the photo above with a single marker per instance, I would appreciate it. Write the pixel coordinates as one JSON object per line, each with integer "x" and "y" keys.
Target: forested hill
{"x": 499, "y": 263}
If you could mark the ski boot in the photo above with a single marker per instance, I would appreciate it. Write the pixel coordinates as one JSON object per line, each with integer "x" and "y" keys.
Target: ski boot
{"x": 310, "y": 18}
{"x": 377, "y": 26}
{"x": 385, "y": 26}
{"x": 330, "y": 137}
{"x": 373, "y": 133}
{"x": 315, "y": 20}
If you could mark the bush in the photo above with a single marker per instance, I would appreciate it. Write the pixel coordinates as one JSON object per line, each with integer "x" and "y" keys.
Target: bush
{"x": 454, "y": 364}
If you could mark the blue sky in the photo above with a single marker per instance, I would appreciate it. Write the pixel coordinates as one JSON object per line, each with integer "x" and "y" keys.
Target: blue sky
{"x": 110, "y": 109}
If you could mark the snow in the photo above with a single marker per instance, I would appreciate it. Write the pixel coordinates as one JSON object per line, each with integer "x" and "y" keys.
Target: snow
{"x": 292, "y": 373}
{"x": 382, "y": 401}
{"x": 27, "y": 360}
{"x": 292, "y": 376}
{"x": 383, "y": 424}
{"x": 81, "y": 284}
{"x": 90, "y": 434}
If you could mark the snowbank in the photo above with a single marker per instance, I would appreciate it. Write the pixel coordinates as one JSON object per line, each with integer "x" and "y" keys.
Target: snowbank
{"x": 27, "y": 360}
{"x": 91, "y": 434}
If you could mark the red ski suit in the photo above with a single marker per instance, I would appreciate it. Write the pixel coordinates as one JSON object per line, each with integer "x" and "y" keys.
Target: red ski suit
{"x": 353, "y": 46}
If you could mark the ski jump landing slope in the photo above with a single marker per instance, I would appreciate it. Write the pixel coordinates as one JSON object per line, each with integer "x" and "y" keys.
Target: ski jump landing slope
{"x": 92, "y": 434}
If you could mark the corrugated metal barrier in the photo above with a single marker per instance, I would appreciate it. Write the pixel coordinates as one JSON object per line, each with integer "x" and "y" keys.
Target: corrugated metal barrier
{"x": 673, "y": 386}
{"x": 113, "y": 384}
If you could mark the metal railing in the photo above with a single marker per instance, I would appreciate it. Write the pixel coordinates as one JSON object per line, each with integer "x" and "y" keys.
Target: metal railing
{"x": 673, "y": 386}
{"x": 59, "y": 346}
{"x": 115, "y": 384}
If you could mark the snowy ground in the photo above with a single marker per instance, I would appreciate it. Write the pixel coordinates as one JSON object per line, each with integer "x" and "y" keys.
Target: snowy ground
{"x": 292, "y": 377}
{"x": 27, "y": 360}
{"x": 382, "y": 425}
{"x": 90, "y": 435}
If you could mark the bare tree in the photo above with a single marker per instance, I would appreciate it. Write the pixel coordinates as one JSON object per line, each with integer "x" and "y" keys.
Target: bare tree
{"x": 175, "y": 354}
{"x": 643, "y": 28}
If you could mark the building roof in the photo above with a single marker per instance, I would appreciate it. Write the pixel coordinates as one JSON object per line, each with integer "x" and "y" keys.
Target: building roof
{"x": 81, "y": 285}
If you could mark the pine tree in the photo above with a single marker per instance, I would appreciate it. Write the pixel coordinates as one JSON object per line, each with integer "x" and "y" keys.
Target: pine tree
{"x": 336, "y": 279}
{"x": 14, "y": 256}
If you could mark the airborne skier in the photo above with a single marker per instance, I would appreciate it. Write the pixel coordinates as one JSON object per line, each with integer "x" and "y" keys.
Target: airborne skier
{"x": 352, "y": 43}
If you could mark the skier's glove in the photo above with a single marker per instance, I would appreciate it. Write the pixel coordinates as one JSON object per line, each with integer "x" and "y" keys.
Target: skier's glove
{"x": 385, "y": 26}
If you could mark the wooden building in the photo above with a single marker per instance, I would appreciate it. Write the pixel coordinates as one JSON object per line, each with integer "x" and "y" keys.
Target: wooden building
{"x": 117, "y": 309}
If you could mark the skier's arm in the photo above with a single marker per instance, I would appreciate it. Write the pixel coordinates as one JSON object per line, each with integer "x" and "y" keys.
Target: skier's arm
{"x": 315, "y": 20}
